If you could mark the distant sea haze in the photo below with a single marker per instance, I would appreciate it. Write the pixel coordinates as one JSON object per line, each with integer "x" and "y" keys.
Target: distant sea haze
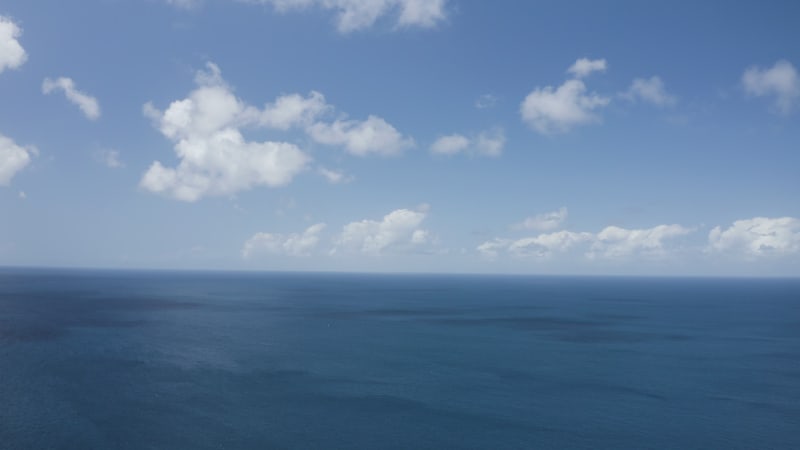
{"x": 203, "y": 360}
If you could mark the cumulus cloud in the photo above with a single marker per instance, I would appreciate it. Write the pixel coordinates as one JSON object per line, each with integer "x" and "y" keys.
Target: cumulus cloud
{"x": 12, "y": 55}
{"x": 485, "y": 143}
{"x": 756, "y": 237}
{"x": 612, "y": 242}
{"x": 550, "y": 110}
{"x": 353, "y": 15}
{"x": 398, "y": 230}
{"x": 780, "y": 81}
{"x": 540, "y": 246}
{"x": 362, "y": 138}
{"x": 616, "y": 242}
{"x": 585, "y": 66}
{"x": 556, "y": 110}
{"x": 13, "y": 158}
{"x": 291, "y": 110}
{"x": 215, "y": 158}
{"x": 87, "y": 103}
{"x": 294, "y": 244}
{"x": 545, "y": 221}
{"x": 649, "y": 90}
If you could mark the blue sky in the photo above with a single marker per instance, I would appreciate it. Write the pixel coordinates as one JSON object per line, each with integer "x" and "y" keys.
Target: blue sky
{"x": 401, "y": 135}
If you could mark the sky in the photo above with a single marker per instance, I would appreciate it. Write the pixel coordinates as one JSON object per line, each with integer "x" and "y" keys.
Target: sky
{"x": 455, "y": 136}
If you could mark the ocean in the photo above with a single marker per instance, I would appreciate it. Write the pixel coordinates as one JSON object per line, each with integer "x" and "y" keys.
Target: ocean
{"x": 205, "y": 360}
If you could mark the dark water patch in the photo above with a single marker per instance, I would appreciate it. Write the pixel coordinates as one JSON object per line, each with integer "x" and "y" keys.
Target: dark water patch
{"x": 604, "y": 336}
{"x": 621, "y": 300}
{"x": 786, "y": 410}
{"x": 616, "y": 317}
{"x": 48, "y": 316}
{"x": 593, "y": 388}
{"x": 418, "y": 312}
{"x": 522, "y": 323}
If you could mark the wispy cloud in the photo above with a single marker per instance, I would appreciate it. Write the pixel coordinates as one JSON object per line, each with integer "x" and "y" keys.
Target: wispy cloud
{"x": 543, "y": 222}
{"x": 293, "y": 244}
{"x": 486, "y": 143}
{"x": 88, "y": 104}
{"x": 649, "y": 90}
{"x": 354, "y": 15}
{"x": 779, "y": 81}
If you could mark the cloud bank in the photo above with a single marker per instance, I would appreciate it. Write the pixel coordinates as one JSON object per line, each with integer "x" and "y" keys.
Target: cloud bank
{"x": 610, "y": 243}
{"x": 294, "y": 244}
{"x": 757, "y": 237}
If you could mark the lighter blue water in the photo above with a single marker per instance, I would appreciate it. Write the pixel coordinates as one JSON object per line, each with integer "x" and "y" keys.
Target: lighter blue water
{"x": 169, "y": 360}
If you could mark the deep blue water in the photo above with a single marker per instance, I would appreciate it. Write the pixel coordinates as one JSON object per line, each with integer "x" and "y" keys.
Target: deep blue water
{"x": 170, "y": 360}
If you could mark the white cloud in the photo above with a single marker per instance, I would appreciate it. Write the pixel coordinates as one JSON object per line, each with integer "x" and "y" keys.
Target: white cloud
{"x": 486, "y": 143}
{"x": 421, "y": 13}
{"x": 491, "y": 249}
{"x": 585, "y": 66}
{"x": 491, "y": 142}
{"x": 215, "y": 158}
{"x": 13, "y": 158}
{"x": 361, "y": 138}
{"x": 780, "y": 81}
{"x": 616, "y": 242}
{"x": 450, "y": 144}
{"x": 541, "y": 246}
{"x": 292, "y": 110}
{"x": 759, "y": 236}
{"x": 545, "y": 245}
{"x": 12, "y": 55}
{"x": 334, "y": 176}
{"x": 612, "y": 242}
{"x": 486, "y": 101}
{"x": 545, "y": 221}
{"x": 397, "y": 230}
{"x": 87, "y": 103}
{"x": 650, "y": 90}
{"x": 552, "y": 110}
{"x": 294, "y": 244}
{"x": 353, "y": 15}
{"x": 22, "y": 195}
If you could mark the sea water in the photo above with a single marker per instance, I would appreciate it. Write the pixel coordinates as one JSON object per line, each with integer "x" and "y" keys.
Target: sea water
{"x": 196, "y": 360}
